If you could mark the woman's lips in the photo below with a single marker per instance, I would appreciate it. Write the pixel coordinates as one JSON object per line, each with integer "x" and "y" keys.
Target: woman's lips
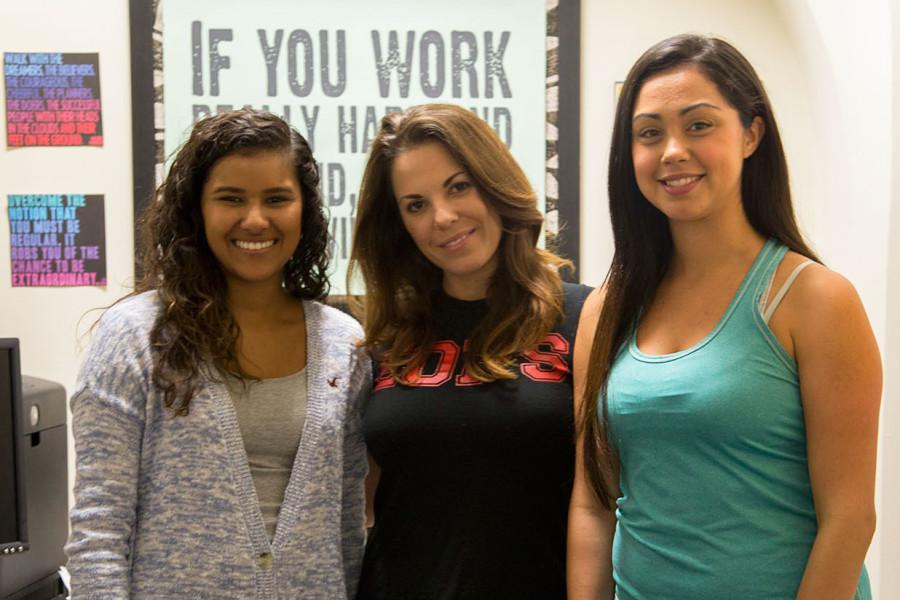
{"x": 681, "y": 184}
{"x": 254, "y": 246}
{"x": 457, "y": 241}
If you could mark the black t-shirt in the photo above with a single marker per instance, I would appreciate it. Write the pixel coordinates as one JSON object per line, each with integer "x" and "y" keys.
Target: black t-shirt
{"x": 475, "y": 478}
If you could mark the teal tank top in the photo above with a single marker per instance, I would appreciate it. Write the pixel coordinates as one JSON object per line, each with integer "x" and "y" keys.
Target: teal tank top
{"x": 716, "y": 499}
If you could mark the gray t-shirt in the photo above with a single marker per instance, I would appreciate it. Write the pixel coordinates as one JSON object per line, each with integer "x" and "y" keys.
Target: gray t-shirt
{"x": 270, "y": 413}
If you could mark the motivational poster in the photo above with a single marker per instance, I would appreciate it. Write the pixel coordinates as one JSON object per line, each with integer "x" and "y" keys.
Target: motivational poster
{"x": 334, "y": 69}
{"x": 52, "y": 99}
{"x": 57, "y": 240}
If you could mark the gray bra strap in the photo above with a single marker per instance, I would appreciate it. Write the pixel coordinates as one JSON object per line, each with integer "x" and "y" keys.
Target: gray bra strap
{"x": 770, "y": 309}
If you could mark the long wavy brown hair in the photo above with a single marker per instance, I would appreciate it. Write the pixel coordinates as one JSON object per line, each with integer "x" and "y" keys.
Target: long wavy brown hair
{"x": 643, "y": 241}
{"x": 195, "y": 326}
{"x": 524, "y": 299}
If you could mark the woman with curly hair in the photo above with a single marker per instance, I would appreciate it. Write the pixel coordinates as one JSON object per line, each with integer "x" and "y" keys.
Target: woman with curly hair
{"x": 218, "y": 442}
{"x": 470, "y": 424}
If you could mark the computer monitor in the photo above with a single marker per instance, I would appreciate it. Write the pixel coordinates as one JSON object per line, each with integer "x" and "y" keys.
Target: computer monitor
{"x": 13, "y": 529}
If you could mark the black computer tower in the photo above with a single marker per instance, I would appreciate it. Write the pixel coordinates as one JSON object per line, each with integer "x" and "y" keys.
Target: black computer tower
{"x": 32, "y": 575}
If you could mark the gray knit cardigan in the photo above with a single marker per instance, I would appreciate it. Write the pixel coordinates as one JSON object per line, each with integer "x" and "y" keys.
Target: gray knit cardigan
{"x": 165, "y": 506}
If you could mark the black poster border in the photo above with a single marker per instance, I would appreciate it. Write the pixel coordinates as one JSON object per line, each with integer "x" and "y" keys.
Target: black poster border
{"x": 563, "y": 155}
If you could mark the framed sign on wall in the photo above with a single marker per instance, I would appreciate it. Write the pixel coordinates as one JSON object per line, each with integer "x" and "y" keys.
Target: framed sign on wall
{"x": 333, "y": 70}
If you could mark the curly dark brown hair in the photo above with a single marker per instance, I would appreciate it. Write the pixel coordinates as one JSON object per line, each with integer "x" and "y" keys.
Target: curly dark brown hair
{"x": 195, "y": 325}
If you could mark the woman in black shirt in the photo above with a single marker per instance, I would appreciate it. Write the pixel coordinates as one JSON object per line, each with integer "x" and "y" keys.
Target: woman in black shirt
{"x": 469, "y": 427}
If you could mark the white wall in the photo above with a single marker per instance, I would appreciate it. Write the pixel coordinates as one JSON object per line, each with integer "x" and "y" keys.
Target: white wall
{"x": 827, "y": 65}
{"x": 889, "y": 517}
{"x": 45, "y": 319}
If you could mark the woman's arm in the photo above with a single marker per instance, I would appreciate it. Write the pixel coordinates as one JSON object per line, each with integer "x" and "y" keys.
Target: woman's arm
{"x": 371, "y": 486}
{"x": 591, "y": 527}
{"x": 353, "y": 532}
{"x": 108, "y": 412}
{"x": 840, "y": 386}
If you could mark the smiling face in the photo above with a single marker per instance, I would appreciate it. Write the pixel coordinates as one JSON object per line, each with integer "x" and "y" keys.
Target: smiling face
{"x": 447, "y": 219}
{"x": 689, "y": 146}
{"x": 252, "y": 205}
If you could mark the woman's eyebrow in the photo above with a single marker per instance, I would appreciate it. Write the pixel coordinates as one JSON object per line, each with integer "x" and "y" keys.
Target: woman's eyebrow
{"x": 682, "y": 112}
{"x": 450, "y": 179}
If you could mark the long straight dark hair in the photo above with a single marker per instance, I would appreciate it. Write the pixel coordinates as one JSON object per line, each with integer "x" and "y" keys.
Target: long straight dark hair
{"x": 643, "y": 241}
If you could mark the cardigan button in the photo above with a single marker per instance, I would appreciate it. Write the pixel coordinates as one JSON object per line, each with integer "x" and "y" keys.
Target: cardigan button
{"x": 264, "y": 561}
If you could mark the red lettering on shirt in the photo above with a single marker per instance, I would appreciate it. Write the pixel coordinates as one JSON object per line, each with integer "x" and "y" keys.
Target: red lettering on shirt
{"x": 547, "y": 362}
{"x": 464, "y": 379}
{"x": 384, "y": 380}
{"x": 448, "y": 352}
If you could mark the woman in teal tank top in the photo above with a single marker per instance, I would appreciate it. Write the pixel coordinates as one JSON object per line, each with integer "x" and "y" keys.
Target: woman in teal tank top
{"x": 729, "y": 409}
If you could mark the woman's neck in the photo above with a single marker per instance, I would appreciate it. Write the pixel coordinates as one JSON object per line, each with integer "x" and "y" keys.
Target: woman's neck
{"x": 272, "y": 324}
{"x": 702, "y": 247}
{"x": 260, "y": 306}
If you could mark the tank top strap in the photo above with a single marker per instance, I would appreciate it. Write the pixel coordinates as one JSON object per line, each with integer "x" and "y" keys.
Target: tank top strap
{"x": 759, "y": 280}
